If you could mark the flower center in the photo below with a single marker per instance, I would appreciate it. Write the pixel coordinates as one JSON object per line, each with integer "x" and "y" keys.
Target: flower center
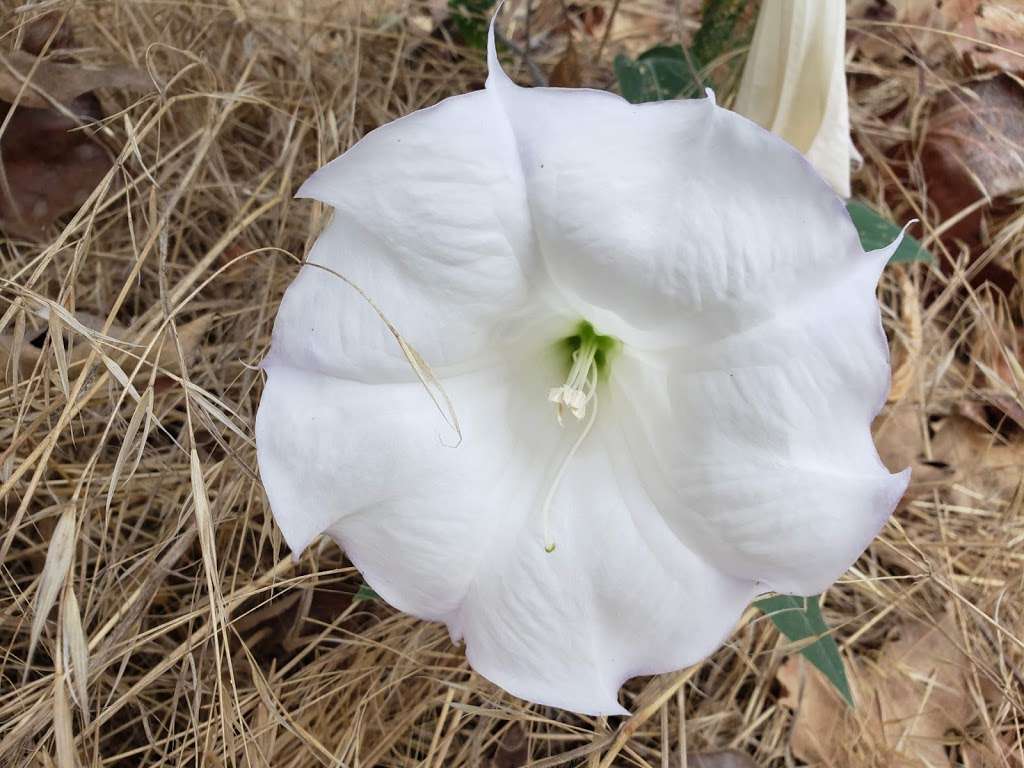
{"x": 589, "y": 354}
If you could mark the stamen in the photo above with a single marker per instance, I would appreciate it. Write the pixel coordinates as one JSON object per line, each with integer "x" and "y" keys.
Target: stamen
{"x": 590, "y": 357}
{"x": 591, "y": 383}
{"x": 580, "y": 386}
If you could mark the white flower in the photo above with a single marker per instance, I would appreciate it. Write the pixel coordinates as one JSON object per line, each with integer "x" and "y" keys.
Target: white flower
{"x": 794, "y": 82}
{"x": 660, "y": 335}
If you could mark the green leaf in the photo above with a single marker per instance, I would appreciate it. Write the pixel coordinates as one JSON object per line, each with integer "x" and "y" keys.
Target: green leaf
{"x": 663, "y": 72}
{"x": 799, "y": 618}
{"x": 726, "y": 25}
{"x": 656, "y": 75}
{"x": 470, "y": 18}
{"x": 877, "y": 232}
{"x": 365, "y": 592}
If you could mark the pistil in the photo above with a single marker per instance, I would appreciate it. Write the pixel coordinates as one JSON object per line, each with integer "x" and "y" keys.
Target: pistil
{"x": 590, "y": 353}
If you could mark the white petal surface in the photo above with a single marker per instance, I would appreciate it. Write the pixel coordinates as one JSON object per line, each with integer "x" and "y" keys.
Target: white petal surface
{"x": 382, "y": 455}
{"x": 670, "y": 221}
{"x": 430, "y": 221}
{"x": 759, "y": 444}
{"x": 568, "y": 628}
{"x": 455, "y": 533}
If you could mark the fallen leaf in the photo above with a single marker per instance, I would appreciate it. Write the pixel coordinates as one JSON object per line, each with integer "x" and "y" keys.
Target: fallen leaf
{"x": 987, "y": 34}
{"x": 40, "y": 82}
{"x": 50, "y": 160}
{"x": 996, "y": 352}
{"x": 49, "y": 167}
{"x": 729, "y": 758}
{"x": 898, "y": 437}
{"x": 906, "y": 702}
{"x": 975, "y": 139}
{"x": 36, "y": 32}
{"x": 567, "y": 73}
{"x": 29, "y": 349}
{"x": 190, "y": 335}
{"x": 982, "y": 465}
{"x": 990, "y": 35}
{"x": 973, "y": 150}
{"x": 513, "y": 748}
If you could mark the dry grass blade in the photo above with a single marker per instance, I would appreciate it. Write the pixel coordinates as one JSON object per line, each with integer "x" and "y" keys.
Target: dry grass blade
{"x": 59, "y": 352}
{"x": 76, "y": 650}
{"x": 62, "y": 727}
{"x": 204, "y": 524}
{"x": 142, "y": 415}
{"x": 59, "y": 554}
{"x": 419, "y": 366}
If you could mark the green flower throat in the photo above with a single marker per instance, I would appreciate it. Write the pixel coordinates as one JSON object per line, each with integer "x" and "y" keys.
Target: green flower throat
{"x": 586, "y": 341}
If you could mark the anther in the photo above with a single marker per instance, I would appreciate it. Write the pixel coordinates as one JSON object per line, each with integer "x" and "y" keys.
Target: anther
{"x": 580, "y": 386}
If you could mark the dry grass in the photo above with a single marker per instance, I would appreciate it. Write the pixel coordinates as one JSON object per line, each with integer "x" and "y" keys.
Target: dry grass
{"x": 137, "y": 553}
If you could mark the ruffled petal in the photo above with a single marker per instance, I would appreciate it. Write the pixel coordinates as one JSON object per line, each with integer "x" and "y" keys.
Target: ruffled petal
{"x": 431, "y": 223}
{"x": 671, "y": 221}
{"x": 383, "y": 460}
{"x": 757, "y": 446}
{"x": 566, "y": 629}
{"x": 455, "y": 534}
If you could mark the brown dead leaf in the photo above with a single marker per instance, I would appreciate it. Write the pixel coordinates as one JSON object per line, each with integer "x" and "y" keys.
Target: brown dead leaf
{"x": 567, "y": 72}
{"x": 30, "y": 348}
{"x": 990, "y": 35}
{"x": 974, "y": 150}
{"x": 50, "y": 161}
{"x": 996, "y": 352}
{"x": 729, "y": 758}
{"x": 899, "y": 437}
{"x": 987, "y": 34}
{"x": 983, "y": 466}
{"x": 513, "y": 749}
{"x": 49, "y": 167}
{"x": 979, "y": 132}
{"x": 41, "y": 82}
{"x": 189, "y": 335}
{"x": 907, "y": 701}
{"x": 37, "y": 32}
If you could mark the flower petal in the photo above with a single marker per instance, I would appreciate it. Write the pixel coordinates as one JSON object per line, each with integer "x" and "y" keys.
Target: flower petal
{"x": 430, "y": 221}
{"x": 794, "y": 82}
{"x": 567, "y": 628}
{"x": 758, "y": 445}
{"x": 382, "y": 458}
{"x": 455, "y": 534}
{"x": 666, "y": 222}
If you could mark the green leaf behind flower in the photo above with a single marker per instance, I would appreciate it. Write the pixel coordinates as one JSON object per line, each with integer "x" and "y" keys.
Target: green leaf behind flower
{"x": 470, "y": 18}
{"x": 725, "y": 26}
{"x": 658, "y": 74}
{"x": 799, "y": 618}
{"x": 877, "y": 232}
{"x": 364, "y": 593}
{"x": 666, "y": 72}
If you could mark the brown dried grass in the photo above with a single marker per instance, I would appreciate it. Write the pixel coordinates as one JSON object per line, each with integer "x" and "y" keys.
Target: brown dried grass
{"x": 138, "y": 554}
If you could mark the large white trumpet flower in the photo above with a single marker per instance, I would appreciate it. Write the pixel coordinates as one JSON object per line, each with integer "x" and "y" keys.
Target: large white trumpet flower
{"x": 660, "y": 335}
{"x": 794, "y": 82}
